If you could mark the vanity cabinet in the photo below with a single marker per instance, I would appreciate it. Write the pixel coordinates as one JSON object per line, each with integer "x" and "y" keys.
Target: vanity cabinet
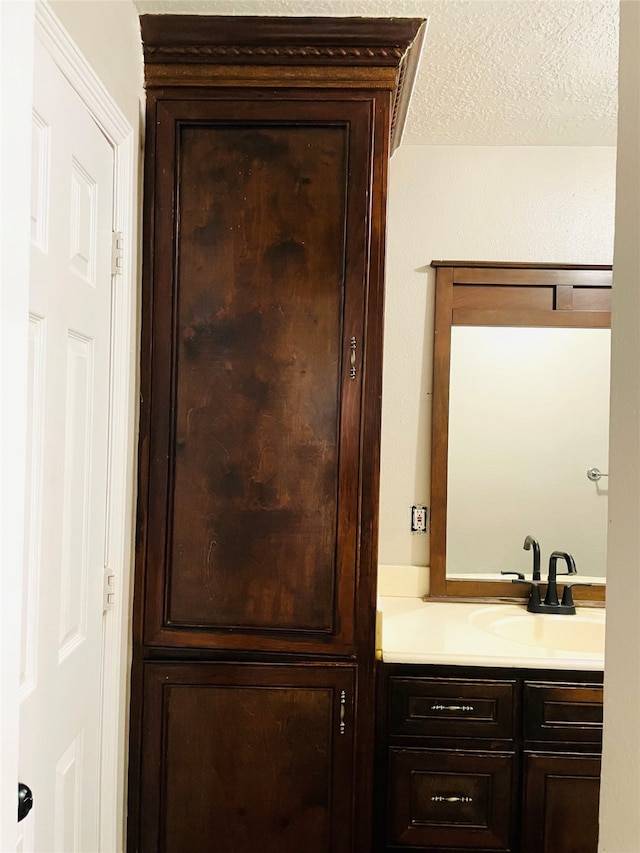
{"x": 488, "y": 759}
{"x": 254, "y": 620}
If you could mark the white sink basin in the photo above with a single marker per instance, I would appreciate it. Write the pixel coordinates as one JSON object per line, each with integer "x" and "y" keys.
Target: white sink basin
{"x": 580, "y": 633}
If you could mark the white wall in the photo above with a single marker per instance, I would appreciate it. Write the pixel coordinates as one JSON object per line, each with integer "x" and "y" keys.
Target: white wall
{"x": 468, "y": 203}
{"x": 620, "y": 795}
{"x": 108, "y": 34}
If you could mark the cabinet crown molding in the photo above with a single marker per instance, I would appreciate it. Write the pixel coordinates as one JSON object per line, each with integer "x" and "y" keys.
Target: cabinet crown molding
{"x": 353, "y": 52}
{"x": 262, "y": 40}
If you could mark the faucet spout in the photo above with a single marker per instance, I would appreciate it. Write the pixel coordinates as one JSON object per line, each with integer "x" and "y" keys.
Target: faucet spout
{"x": 571, "y": 564}
{"x": 551, "y": 598}
{"x": 531, "y": 543}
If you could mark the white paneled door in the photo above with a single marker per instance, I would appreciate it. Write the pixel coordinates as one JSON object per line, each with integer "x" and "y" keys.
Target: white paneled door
{"x": 69, "y": 393}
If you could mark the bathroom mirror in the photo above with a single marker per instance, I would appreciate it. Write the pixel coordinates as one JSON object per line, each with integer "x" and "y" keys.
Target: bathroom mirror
{"x": 520, "y": 415}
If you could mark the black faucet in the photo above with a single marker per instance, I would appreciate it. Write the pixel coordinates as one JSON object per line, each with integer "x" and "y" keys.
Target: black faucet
{"x": 571, "y": 564}
{"x": 530, "y": 543}
{"x": 551, "y": 598}
{"x": 551, "y": 604}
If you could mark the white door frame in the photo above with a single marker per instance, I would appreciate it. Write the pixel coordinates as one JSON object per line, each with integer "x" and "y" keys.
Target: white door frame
{"x": 122, "y": 425}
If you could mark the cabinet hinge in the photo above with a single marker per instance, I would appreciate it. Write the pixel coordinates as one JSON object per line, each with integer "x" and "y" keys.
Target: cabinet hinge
{"x": 117, "y": 252}
{"x": 108, "y": 590}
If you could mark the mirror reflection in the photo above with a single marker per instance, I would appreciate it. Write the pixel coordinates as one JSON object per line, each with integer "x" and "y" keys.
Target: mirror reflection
{"x": 528, "y": 417}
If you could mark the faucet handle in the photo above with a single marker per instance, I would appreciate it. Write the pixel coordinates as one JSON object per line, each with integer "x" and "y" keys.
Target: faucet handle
{"x": 567, "y": 595}
{"x": 534, "y": 604}
{"x": 519, "y": 575}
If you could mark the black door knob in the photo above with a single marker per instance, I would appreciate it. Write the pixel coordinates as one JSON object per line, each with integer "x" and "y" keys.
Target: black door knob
{"x": 25, "y": 801}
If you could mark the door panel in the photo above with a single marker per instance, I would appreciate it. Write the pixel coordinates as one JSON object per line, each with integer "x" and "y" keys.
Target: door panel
{"x": 561, "y": 803}
{"x": 246, "y": 757}
{"x": 70, "y": 307}
{"x": 259, "y": 305}
{"x": 254, "y": 445}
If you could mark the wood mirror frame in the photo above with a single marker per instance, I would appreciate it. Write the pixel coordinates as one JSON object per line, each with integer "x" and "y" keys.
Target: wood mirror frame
{"x": 500, "y": 294}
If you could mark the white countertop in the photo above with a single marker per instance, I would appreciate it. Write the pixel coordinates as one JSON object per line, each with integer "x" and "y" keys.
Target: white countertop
{"x": 414, "y": 631}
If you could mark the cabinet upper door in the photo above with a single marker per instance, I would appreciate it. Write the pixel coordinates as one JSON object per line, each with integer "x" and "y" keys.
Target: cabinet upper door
{"x": 256, "y": 290}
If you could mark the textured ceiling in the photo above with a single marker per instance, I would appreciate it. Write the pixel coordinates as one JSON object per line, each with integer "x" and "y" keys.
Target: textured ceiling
{"x": 493, "y": 72}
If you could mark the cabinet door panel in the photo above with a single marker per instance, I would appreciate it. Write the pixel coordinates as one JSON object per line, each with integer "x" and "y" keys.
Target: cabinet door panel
{"x": 254, "y": 442}
{"x": 246, "y": 757}
{"x": 561, "y": 799}
{"x": 257, "y": 376}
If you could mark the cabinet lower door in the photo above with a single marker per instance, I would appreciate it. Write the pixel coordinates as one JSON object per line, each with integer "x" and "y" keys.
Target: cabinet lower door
{"x": 239, "y": 757}
{"x": 561, "y": 798}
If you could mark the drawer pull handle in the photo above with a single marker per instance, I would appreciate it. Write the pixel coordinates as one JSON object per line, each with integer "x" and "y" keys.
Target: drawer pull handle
{"x": 455, "y": 799}
{"x": 452, "y": 707}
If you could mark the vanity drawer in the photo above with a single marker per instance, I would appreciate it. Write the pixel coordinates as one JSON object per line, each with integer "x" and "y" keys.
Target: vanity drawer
{"x": 441, "y": 799}
{"x": 449, "y": 707}
{"x": 563, "y": 713}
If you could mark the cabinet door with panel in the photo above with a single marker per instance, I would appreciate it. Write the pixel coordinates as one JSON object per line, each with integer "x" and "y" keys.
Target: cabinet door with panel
{"x": 259, "y": 291}
{"x": 239, "y": 757}
{"x": 561, "y": 798}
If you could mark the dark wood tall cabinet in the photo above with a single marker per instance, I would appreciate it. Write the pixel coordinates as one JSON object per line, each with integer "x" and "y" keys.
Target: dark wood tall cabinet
{"x": 265, "y": 182}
